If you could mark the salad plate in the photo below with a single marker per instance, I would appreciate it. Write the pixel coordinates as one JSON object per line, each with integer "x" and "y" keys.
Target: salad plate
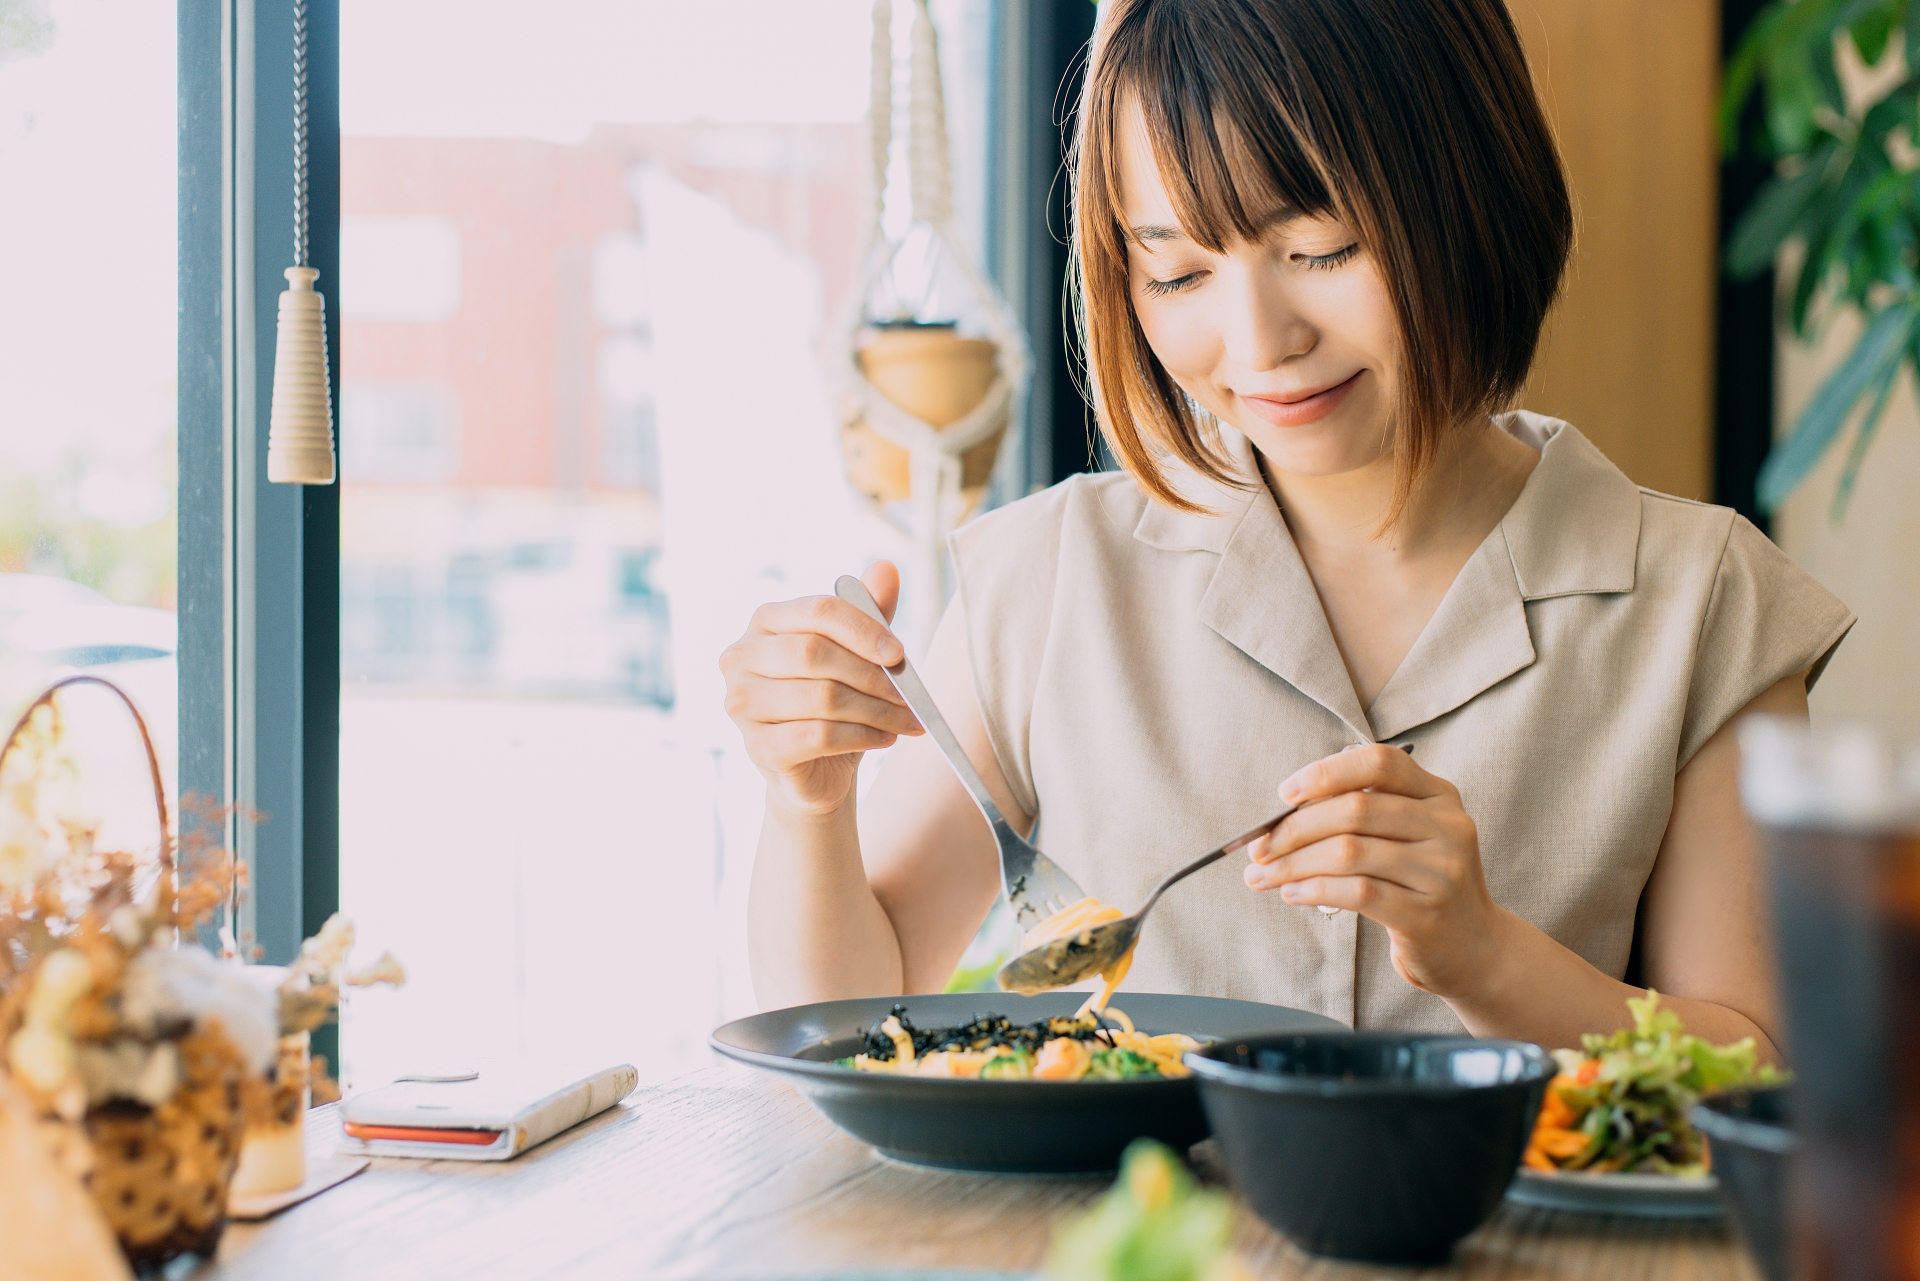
{"x": 1613, "y": 1135}
{"x": 1641, "y": 1196}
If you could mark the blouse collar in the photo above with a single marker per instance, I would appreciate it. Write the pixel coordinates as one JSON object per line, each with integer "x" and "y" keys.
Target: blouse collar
{"x": 1574, "y": 529}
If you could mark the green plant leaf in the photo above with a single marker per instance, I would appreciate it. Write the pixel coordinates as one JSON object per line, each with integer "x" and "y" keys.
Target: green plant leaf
{"x": 1794, "y": 99}
{"x": 1871, "y": 31}
{"x": 1774, "y": 215}
{"x": 1897, "y": 110}
{"x": 1884, "y": 343}
{"x": 1862, "y": 435}
{"x": 1743, "y": 68}
{"x": 1829, "y": 235}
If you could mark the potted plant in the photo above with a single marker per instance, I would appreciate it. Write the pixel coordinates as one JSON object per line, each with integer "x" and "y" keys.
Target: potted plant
{"x": 1841, "y": 97}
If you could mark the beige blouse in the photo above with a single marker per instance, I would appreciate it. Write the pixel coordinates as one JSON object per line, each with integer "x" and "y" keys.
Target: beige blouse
{"x": 1149, "y": 677}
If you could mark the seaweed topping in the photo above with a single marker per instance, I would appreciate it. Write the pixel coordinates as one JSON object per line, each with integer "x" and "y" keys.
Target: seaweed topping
{"x": 982, "y": 1032}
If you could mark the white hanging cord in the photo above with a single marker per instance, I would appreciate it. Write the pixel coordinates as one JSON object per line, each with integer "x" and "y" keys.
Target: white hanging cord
{"x": 932, "y": 182}
{"x": 880, "y": 111}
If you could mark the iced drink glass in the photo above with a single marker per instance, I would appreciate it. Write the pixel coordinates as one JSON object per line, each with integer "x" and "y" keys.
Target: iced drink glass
{"x": 1840, "y": 827}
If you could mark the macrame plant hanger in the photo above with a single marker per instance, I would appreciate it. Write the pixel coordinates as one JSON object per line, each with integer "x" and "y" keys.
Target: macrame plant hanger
{"x": 926, "y": 410}
{"x": 300, "y": 434}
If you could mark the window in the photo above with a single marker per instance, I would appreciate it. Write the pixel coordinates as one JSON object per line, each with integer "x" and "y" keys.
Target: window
{"x": 590, "y": 253}
{"x": 87, "y": 359}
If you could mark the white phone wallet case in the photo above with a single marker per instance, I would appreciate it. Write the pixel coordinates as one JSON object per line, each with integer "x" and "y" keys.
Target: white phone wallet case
{"x": 494, "y": 1116}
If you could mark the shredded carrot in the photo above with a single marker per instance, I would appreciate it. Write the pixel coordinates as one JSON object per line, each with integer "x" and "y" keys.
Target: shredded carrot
{"x": 1556, "y": 1112}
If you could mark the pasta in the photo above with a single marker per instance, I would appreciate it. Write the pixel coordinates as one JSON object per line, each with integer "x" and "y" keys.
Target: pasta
{"x": 996, "y": 1048}
{"x": 1079, "y": 920}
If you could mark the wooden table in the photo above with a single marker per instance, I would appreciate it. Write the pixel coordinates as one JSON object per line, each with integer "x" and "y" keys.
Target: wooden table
{"x": 729, "y": 1174}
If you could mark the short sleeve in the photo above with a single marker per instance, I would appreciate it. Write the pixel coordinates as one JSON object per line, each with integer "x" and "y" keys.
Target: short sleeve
{"x": 1005, "y": 567}
{"x": 1765, "y": 620}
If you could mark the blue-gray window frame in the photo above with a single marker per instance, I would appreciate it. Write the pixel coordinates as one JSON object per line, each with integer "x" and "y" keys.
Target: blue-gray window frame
{"x": 259, "y": 564}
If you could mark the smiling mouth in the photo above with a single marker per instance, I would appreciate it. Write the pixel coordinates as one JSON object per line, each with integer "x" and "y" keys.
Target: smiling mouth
{"x": 1299, "y": 409}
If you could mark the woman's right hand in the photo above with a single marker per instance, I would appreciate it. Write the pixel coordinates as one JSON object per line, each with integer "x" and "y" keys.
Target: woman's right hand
{"x": 806, "y": 688}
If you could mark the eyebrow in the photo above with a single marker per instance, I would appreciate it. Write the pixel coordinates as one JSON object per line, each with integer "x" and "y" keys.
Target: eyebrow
{"x": 1151, "y": 232}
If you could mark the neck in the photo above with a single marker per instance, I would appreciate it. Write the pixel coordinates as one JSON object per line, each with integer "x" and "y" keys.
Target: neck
{"x": 1474, "y": 478}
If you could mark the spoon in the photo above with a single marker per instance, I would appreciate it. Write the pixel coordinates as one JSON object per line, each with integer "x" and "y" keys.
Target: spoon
{"x": 1063, "y": 961}
{"x": 1035, "y": 886}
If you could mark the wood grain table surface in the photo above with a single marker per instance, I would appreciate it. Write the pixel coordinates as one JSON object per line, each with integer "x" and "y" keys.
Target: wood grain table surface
{"x": 729, "y": 1174}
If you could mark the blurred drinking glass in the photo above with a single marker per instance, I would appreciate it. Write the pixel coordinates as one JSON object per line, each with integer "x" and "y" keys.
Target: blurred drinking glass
{"x": 1839, "y": 815}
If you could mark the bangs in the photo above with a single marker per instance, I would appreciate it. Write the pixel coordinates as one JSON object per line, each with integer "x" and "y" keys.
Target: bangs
{"x": 1233, "y": 145}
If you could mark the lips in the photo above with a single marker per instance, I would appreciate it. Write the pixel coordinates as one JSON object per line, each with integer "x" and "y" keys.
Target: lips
{"x": 1297, "y": 410}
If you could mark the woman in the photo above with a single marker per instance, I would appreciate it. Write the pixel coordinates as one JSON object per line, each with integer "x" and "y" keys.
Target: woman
{"x": 1315, "y": 242}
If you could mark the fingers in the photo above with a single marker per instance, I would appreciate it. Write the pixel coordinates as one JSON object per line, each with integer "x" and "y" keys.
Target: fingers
{"x": 1379, "y": 766}
{"x": 789, "y": 746}
{"x": 1381, "y": 814}
{"x": 775, "y": 702}
{"x": 1361, "y": 895}
{"x": 1378, "y": 858}
{"x": 835, "y": 619}
{"x": 791, "y": 656}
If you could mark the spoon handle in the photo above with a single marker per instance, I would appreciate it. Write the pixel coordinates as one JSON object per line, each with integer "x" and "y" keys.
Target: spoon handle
{"x": 1239, "y": 842}
{"x": 921, "y": 704}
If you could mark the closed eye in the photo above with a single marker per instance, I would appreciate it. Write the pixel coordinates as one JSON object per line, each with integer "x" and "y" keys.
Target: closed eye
{"x": 1328, "y": 262}
{"x": 1161, "y": 288}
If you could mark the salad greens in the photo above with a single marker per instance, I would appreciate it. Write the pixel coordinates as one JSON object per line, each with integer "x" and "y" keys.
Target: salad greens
{"x": 1156, "y": 1224}
{"x": 1620, "y": 1103}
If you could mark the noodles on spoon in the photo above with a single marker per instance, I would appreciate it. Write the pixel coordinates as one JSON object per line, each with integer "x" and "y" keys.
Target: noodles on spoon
{"x": 1080, "y": 919}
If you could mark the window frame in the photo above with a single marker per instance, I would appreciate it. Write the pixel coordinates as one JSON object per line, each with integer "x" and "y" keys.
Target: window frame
{"x": 259, "y": 564}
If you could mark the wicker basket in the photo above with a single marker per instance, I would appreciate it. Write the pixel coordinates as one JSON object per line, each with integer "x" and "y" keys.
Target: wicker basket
{"x": 160, "y": 1175}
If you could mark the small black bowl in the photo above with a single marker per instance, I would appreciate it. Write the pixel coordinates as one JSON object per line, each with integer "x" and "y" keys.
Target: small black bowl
{"x": 1753, "y": 1146}
{"x": 1372, "y": 1145}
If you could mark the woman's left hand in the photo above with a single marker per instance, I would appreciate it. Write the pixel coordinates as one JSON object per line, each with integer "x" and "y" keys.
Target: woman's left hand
{"x": 1380, "y": 836}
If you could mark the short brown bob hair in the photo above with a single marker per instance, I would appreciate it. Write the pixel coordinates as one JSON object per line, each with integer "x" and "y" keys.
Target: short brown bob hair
{"x": 1413, "y": 121}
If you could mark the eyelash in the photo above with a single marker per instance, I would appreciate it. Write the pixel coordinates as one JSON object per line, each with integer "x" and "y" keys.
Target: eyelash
{"x": 1161, "y": 288}
{"x": 1313, "y": 262}
{"x": 1327, "y": 262}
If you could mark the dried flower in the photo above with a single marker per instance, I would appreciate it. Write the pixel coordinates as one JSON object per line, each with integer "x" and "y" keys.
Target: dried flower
{"x": 41, "y": 1056}
{"x": 167, "y": 990}
{"x": 63, "y": 979}
{"x": 23, "y": 856}
{"x": 383, "y": 970}
{"x": 128, "y": 927}
{"x": 326, "y": 952}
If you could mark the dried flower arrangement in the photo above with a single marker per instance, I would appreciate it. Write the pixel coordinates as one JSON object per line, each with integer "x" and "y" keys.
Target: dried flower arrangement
{"x": 142, "y": 1059}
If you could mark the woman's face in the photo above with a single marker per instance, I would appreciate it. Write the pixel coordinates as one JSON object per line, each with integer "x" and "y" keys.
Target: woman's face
{"x": 1290, "y": 338}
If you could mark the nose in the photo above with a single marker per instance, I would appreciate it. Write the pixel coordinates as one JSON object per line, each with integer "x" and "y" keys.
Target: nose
{"x": 1262, "y": 328}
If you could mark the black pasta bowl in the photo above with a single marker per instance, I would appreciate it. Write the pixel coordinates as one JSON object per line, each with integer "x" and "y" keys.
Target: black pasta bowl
{"x": 1010, "y": 1127}
{"x": 1372, "y": 1145}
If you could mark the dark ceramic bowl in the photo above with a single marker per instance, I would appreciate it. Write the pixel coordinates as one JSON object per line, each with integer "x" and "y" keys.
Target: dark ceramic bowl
{"x": 1014, "y": 1127}
{"x": 1753, "y": 1147}
{"x": 1372, "y": 1145}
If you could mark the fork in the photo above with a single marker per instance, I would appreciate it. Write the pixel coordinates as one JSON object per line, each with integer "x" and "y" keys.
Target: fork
{"x": 1034, "y": 884}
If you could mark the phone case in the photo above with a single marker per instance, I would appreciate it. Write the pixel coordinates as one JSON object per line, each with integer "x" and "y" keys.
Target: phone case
{"x": 496, "y": 1115}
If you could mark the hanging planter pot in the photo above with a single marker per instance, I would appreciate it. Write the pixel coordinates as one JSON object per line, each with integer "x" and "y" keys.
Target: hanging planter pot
{"x": 928, "y": 372}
